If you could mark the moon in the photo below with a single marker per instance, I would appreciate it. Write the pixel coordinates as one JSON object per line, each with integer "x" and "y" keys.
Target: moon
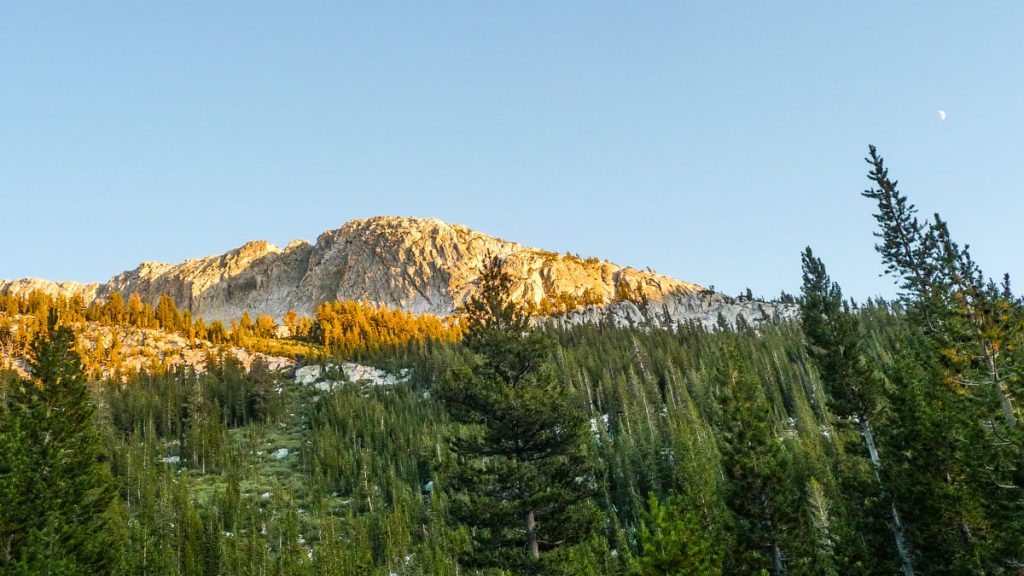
{"x": 942, "y": 115}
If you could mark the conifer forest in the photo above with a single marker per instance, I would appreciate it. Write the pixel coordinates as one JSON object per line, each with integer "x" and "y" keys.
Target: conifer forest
{"x": 857, "y": 438}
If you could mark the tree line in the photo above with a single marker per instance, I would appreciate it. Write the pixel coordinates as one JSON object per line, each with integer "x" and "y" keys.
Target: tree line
{"x": 346, "y": 328}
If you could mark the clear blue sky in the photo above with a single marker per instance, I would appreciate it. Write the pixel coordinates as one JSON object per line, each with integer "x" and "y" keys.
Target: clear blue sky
{"x": 710, "y": 141}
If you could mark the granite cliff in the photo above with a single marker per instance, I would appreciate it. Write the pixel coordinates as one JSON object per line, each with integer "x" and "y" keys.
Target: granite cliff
{"x": 418, "y": 264}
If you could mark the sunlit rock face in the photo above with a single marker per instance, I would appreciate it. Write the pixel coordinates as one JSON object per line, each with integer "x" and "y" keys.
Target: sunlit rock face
{"x": 258, "y": 277}
{"x": 417, "y": 264}
{"x": 26, "y": 286}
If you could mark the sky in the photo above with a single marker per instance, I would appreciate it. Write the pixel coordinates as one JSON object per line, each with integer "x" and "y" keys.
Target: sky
{"x": 710, "y": 141}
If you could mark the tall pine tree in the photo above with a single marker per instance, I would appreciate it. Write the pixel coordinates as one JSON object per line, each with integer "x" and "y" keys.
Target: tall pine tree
{"x": 524, "y": 474}
{"x": 833, "y": 341}
{"x": 957, "y": 442}
{"x": 762, "y": 491}
{"x": 55, "y": 482}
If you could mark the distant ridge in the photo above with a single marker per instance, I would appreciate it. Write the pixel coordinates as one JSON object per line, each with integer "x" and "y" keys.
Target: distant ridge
{"x": 417, "y": 264}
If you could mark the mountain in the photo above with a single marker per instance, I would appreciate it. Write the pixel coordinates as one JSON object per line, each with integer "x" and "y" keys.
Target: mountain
{"x": 417, "y": 264}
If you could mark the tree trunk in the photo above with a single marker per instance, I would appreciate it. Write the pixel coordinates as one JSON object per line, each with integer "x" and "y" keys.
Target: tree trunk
{"x": 869, "y": 439}
{"x": 531, "y": 536}
{"x": 993, "y": 374}
{"x": 898, "y": 533}
{"x": 777, "y": 566}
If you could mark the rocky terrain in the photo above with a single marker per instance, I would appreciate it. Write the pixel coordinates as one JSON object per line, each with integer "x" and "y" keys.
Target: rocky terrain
{"x": 417, "y": 264}
{"x": 328, "y": 376}
{"x": 119, "y": 351}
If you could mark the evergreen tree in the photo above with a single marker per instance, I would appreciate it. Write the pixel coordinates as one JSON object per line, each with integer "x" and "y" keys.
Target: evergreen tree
{"x": 957, "y": 440}
{"x": 824, "y": 532}
{"x": 673, "y": 542}
{"x": 832, "y": 339}
{"x": 167, "y": 315}
{"x": 56, "y": 486}
{"x": 524, "y": 474}
{"x": 762, "y": 491}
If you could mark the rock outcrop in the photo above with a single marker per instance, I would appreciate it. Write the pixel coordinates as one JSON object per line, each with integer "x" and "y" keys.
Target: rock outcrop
{"x": 26, "y": 286}
{"x": 417, "y": 264}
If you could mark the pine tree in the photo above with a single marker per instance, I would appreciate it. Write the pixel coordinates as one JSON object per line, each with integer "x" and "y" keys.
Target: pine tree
{"x": 824, "y": 533}
{"x": 524, "y": 474}
{"x": 673, "y": 542}
{"x": 762, "y": 491}
{"x": 957, "y": 439}
{"x": 961, "y": 315}
{"x": 57, "y": 489}
{"x": 167, "y": 315}
{"x": 832, "y": 339}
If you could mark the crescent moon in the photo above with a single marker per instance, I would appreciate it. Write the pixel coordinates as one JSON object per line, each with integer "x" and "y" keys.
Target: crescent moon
{"x": 942, "y": 115}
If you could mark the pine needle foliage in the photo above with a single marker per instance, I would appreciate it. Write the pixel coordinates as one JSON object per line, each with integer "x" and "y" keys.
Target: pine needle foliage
{"x": 523, "y": 475}
{"x": 55, "y": 484}
{"x": 674, "y": 543}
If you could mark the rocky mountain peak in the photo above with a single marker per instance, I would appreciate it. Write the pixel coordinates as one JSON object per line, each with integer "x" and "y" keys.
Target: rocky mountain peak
{"x": 253, "y": 250}
{"x": 418, "y": 264}
{"x": 296, "y": 245}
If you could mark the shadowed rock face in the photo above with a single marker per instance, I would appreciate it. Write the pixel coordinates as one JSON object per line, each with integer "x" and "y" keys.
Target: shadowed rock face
{"x": 418, "y": 264}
